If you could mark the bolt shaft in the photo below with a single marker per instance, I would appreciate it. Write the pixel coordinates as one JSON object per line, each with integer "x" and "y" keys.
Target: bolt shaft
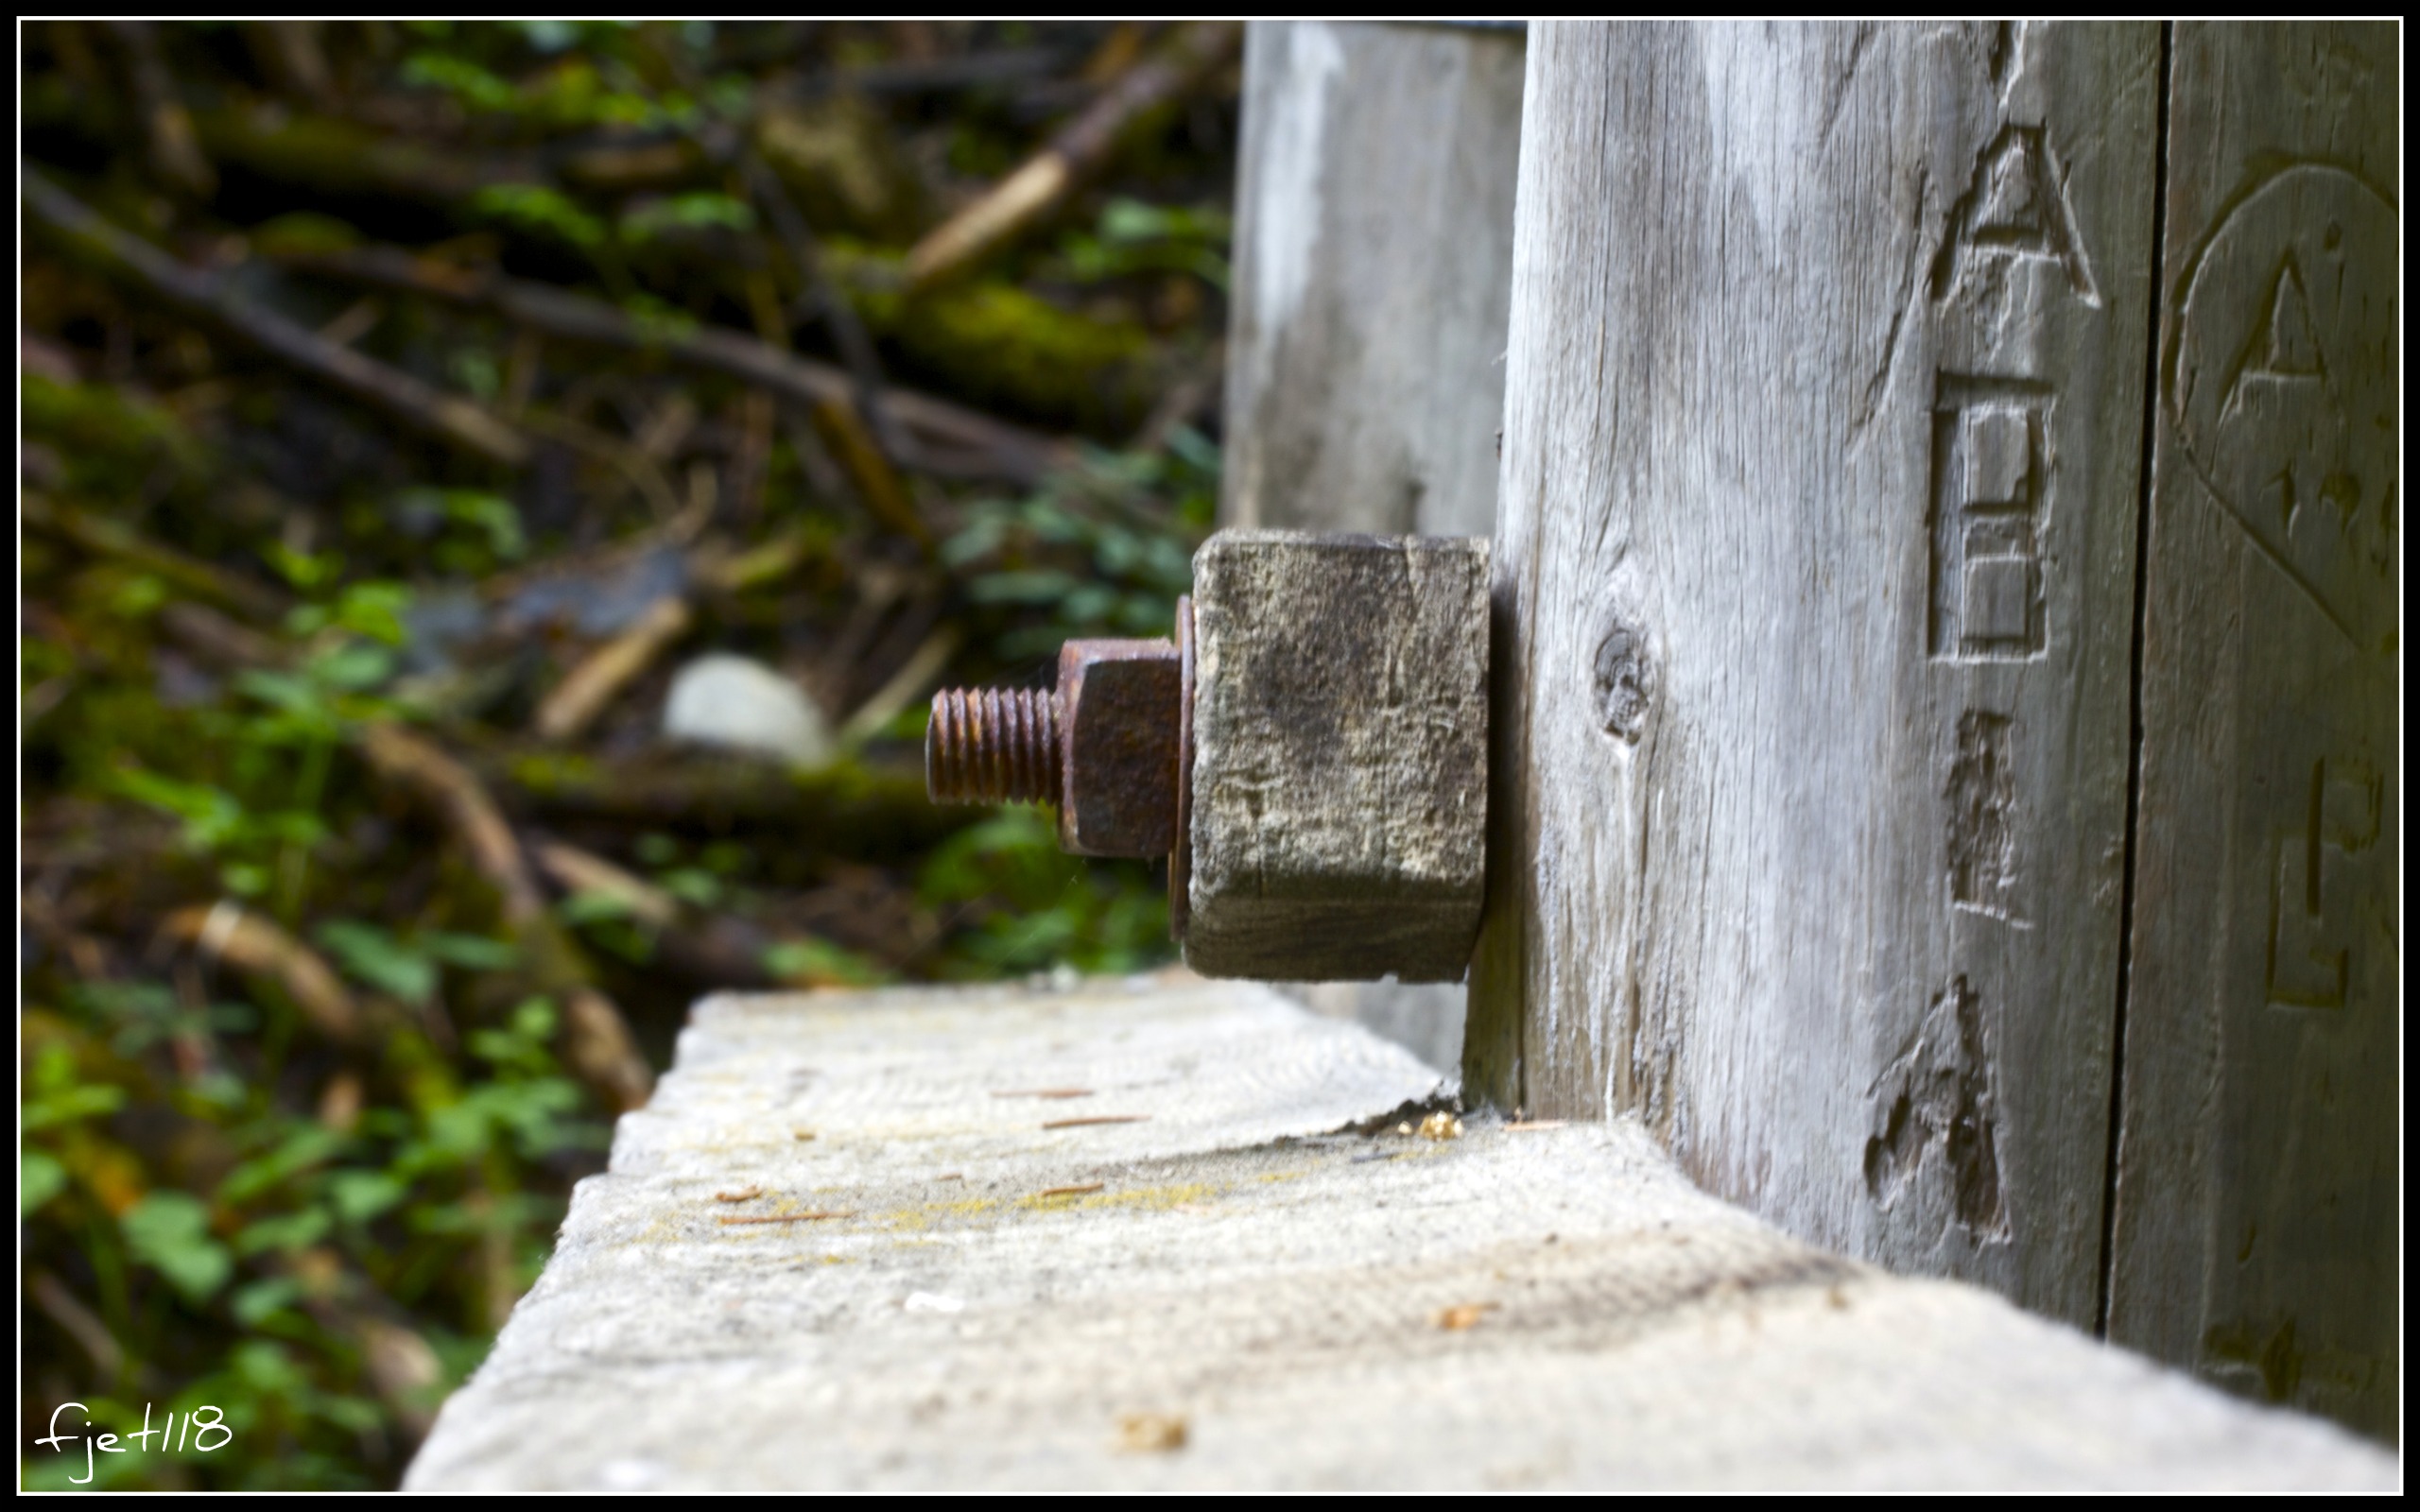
{"x": 993, "y": 746}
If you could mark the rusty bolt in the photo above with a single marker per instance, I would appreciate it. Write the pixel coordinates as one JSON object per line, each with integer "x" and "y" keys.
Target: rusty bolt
{"x": 1118, "y": 717}
{"x": 1106, "y": 747}
{"x": 993, "y": 746}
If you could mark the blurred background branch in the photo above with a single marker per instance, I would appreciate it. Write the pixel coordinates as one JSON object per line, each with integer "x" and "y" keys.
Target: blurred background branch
{"x": 495, "y": 499}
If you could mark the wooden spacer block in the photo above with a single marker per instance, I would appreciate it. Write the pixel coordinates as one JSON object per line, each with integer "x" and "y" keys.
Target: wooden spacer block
{"x": 1340, "y": 756}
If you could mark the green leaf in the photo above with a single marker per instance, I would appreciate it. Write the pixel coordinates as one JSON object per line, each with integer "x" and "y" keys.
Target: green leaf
{"x": 460, "y": 77}
{"x": 38, "y": 1179}
{"x": 535, "y": 207}
{"x": 1029, "y": 587}
{"x": 373, "y": 610}
{"x": 212, "y": 817}
{"x": 254, "y": 1304}
{"x": 169, "y": 1232}
{"x": 302, "y": 569}
{"x": 70, "y": 1104}
{"x": 307, "y": 1144}
{"x": 589, "y": 906}
{"x": 472, "y": 952}
{"x": 285, "y": 1233}
{"x": 687, "y": 211}
{"x": 355, "y": 665}
{"x": 692, "y": 885}
{"x": 380, "y": 960}
{"x": 820, "y": 963}
{"x": 361, "y": 1195}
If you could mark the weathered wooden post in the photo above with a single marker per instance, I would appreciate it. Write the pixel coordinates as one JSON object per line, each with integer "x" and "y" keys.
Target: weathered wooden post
{"x": 1819, "y": 617}
{"x": 2257, "y": 1166}
{"x": 1373, "y": 277}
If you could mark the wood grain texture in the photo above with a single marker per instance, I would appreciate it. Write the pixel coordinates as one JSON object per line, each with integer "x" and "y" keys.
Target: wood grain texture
{"x": 1372, "y": 276}
{"x": 1367, "y": 330}
{"x": 1340, "y": 756}
{"x": 1815, "y": 589}
{"x": 2256, "y": 1230}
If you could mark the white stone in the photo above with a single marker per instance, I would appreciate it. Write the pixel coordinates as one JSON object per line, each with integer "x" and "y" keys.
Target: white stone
{"x": 730, "y": 702}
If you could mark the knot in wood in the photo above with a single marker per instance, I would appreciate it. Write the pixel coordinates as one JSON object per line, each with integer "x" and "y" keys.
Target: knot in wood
{"x": 1625, "y": 679}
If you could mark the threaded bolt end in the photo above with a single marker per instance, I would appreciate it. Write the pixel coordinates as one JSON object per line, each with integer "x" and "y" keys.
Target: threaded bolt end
{"x": 993, "y": 746}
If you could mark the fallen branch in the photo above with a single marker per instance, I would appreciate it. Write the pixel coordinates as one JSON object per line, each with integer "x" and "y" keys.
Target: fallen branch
{"x": 903, "y": 687}
{"x": 643, "y": 474}
{"x": 852, "y": 810}
{"x": 566, "y": 712}
{"x": 289, "y": 53}
{"x": 575, "y": 870}
{"x": 256, "y": 947}
{"x": 843, "y": 432}
{"x": 596, "y": 1040}
{"x": 168, "y": 126}
{"x": 1021, "y": 200}
{"x": 716, "y": 951}
{"x": 106, "y": 537}
{"x": 211, "y": 298}
{"x": 951, "y": 440}
{"x": 849, "y": 335}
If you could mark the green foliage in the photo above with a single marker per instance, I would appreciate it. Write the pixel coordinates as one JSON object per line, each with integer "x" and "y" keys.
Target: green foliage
{"x": 230, "y": 1206}
{"x": 169, "y": 1232}
{"x": 820, "y": 963}
{"x": 110, "y": 442}
{"x": 547, "y": 212}
{"x": 1103, "y": 548}
{"x": 1132, "y": 237}
{"x": 1037, "y": 906}
{"x": 481, "y": 529}
{"x": 690, "y": 212}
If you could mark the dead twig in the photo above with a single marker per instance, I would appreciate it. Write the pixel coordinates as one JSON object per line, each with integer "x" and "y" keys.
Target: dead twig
{"x": 573, "y": 704}
{"x": 596, "y": 1040}
{"x": 840, "y": 316}
{"x": 844, "y": 432}
{"x": 211, "y": 298}
{"x": 719, "y": 949}
{"x": 1099, "y": 1118}
{"x": 289, "y": 53}
{"x": 1021, "y": 200}
{"x": 903, "y": 687}
{"x": 253, "y": 945}
{"x": 575, "y": 870}
{"x": 952, "y": 440}
{"x": 168, "y": 126}
{"x": 785, "y": 1217}
{"x": 640, "y": 469}
{"x": 105, "y": 537}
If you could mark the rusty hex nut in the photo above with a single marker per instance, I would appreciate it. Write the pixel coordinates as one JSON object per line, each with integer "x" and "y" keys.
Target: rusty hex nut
{"x": 1120, "y": 717}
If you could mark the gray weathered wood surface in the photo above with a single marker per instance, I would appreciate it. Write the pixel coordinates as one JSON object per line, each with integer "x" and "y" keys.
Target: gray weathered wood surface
{"x": 1366, "y": 341}
{"x": 1340, "y": 756}
{"x": 2259, "y": 1176}
{"x": 1374, "y": 242}
{"x": 1815, "y": 592}
{"x": 1239, "y": 1265}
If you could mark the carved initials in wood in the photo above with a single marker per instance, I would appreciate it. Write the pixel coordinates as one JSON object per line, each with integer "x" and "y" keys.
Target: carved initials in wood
{"x": 2281, "y": 378}
{"x": 1988, "y": 507}
{"x": 2309, "y": 964}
